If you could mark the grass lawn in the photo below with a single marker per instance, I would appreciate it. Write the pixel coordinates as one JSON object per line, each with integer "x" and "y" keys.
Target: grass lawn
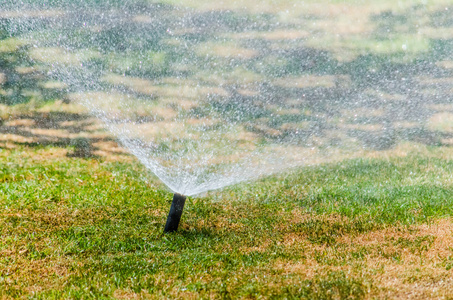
{"x": 366, "y": 85}
{"x": 92, "y": 228}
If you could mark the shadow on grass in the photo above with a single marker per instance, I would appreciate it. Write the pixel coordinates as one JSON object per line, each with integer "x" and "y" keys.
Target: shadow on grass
{"x": 78, "y": 131}
{"x": 373, "y": 93}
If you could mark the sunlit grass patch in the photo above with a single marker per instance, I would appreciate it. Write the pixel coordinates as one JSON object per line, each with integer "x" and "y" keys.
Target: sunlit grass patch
{"x": 442, "y": 122}
{"x": 11, "y": 44}
{"x": 274, "y": 35}
{"x": 310, "y": 81}
{"x": 447, "y": 64}
{"x": 61, "y": 56}
{"x": 238, "y": 75}
{"x": 226, "y": 50}
{"x": 402, "y": 48}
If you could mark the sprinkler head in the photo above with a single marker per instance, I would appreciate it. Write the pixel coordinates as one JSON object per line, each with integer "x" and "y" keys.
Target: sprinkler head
{"x": 174, "y": 216}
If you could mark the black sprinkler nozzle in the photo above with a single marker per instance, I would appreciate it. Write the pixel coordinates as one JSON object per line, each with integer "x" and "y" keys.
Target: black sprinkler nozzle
{"x": 174, "y": 216}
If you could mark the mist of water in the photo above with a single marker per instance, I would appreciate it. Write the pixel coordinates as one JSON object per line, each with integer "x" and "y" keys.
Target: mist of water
{"x": 206, "y": 96}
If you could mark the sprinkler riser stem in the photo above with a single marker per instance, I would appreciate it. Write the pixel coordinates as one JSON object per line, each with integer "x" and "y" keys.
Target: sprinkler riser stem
{"x": 174, "y": 216}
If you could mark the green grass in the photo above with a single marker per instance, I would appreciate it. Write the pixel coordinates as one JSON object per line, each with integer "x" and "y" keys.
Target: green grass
{"x": 90, "y": 228}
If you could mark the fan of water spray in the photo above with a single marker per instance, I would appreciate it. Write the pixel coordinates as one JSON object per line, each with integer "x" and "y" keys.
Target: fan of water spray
{"x": 207, "y": 95}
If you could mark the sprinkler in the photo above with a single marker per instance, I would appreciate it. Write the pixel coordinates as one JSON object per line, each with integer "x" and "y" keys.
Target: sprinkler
{"x": 174, "y": 216}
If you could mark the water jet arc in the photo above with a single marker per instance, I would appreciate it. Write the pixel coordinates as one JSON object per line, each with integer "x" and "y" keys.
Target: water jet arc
{"x": 174, "y": 216}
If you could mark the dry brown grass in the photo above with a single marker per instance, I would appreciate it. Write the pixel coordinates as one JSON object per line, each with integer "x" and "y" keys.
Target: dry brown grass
{"x": 404, "y": 262}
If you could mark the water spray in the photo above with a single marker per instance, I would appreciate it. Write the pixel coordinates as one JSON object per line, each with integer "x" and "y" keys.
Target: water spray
{"x": 276, "y": 101}
{"x": 174, "y": 216}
